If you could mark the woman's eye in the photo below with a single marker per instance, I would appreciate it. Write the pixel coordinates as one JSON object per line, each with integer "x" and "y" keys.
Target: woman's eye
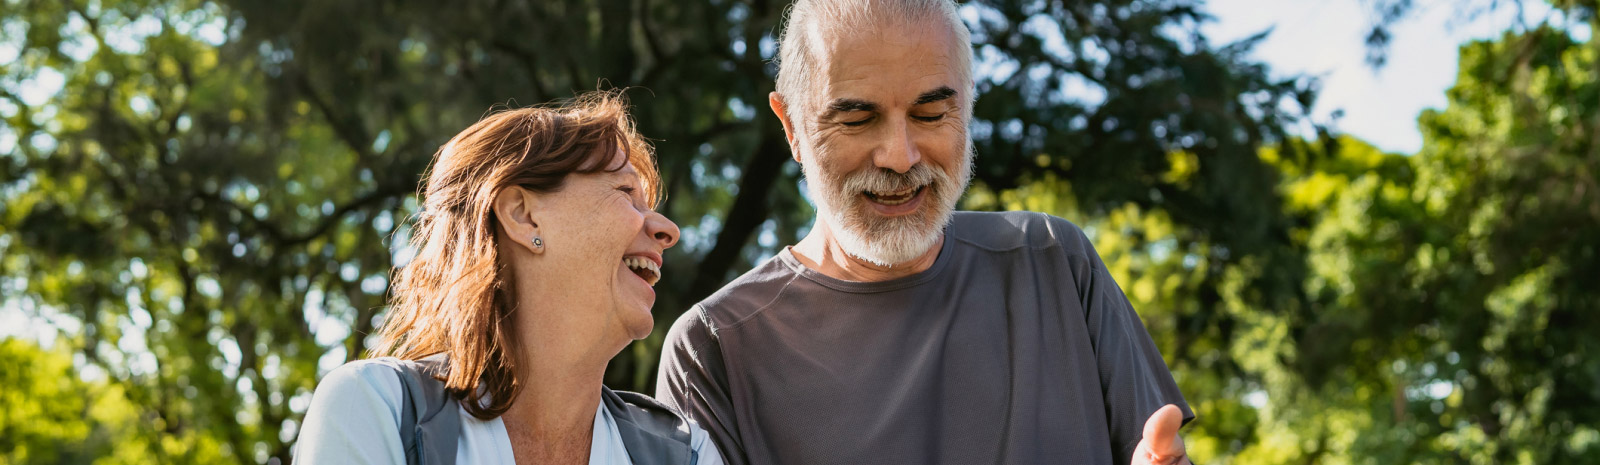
{"x": 626, "y": 189}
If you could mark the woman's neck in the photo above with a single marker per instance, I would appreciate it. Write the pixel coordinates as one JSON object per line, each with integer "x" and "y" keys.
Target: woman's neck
{"x": 552, "y": 419}
{"x": 561, "y": 372}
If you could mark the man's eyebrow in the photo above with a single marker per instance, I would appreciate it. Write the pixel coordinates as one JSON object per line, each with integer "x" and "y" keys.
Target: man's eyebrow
{"x": 849, "y": 104}
{"x": 935, "y": 95}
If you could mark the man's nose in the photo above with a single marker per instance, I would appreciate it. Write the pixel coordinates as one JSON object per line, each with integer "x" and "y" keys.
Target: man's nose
{"x": 897, "y": 152}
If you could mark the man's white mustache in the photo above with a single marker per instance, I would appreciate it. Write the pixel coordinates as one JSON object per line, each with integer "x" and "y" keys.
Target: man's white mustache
{"x": 885, "y": 180}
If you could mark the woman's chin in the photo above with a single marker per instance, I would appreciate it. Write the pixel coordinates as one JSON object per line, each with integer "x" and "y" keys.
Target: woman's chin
{"x": 634, "y": 299}
{"x": 637, "y": 321}
{"x": 641, "y": 334}
{"x": 640, "y": 328}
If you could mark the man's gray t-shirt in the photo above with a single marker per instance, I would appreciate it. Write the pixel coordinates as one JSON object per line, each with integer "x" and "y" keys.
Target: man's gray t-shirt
{"x": 1015, "y": 347}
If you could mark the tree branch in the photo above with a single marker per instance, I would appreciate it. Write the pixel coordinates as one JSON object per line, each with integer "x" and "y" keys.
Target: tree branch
{"x": 749, "y": 210}
{"x": 529, "y": 65}
{"x": 353, "y": 133}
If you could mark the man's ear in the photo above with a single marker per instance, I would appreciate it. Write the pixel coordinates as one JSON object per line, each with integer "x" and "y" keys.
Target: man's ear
{"x": 518, "y": 211}
{"x": 775, "y": 100}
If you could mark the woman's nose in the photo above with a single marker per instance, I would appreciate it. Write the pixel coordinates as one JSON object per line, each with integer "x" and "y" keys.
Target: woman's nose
{"x": 662, "y": 229}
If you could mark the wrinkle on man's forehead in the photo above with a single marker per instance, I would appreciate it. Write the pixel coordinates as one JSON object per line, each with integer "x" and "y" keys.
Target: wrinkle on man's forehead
{"x": 878, "y": 40}
{"x": 854, "y": 56}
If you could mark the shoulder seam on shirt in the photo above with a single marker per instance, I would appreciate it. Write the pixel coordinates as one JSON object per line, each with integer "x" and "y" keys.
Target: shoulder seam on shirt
{"x": 1046, "y": 219}
{"x": 705, "y": 319}
{"x": 793, "y": 276}
{"x": 987, "y": 248}
{"x": 1081, "y": 253}
{"x": 1051, "y": 244}
{"x": 1094, "y": 258}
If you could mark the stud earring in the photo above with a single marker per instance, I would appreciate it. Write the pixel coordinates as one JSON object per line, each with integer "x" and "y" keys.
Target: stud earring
{"x": 538, "y": 243}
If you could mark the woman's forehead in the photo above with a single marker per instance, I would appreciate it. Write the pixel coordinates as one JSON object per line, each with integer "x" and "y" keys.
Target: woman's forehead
{"x": 627, "y": 171}
{"x": 619, "y": 167}
{"x": 617, "y": 160}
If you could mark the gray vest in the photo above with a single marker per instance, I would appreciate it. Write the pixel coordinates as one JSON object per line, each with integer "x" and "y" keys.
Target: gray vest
{"x": 430, "y": 421}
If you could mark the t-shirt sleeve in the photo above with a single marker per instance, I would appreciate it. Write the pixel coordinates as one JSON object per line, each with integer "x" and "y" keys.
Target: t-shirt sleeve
{"x": 693, "y": 380}
{"x": 1133, "y": 378}
{"x": 354, "y": 418}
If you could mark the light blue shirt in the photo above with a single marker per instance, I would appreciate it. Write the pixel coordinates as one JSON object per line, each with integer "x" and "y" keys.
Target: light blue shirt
{"x": 354, "y": 418}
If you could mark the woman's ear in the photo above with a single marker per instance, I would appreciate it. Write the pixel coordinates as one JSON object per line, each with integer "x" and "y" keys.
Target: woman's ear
{"x": 518, "y": 212}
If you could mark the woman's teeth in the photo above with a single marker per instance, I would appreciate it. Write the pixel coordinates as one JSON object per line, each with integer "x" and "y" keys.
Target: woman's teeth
{"x": 649, "y": 270}
{"x": 896, "y": 197}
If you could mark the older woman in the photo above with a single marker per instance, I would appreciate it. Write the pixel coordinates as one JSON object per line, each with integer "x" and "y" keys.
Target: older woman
{"x": 537, "y": 247}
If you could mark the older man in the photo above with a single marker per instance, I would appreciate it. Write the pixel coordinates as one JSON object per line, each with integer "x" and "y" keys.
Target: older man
{"x": 898, "y": 331}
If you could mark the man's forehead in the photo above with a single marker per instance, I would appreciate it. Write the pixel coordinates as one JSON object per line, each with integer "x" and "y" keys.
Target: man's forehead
{"x": 894, "y": 64}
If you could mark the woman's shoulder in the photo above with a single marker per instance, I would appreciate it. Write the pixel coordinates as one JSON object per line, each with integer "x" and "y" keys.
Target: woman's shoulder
{"x": 354, "y": 416}
{"x": 368, "y": 383}
{"x": 663, "y": 421}
{"x": 365, "y": 371}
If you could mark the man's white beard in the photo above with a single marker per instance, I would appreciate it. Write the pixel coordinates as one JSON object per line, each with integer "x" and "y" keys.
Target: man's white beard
{"x": 890, "y": 241}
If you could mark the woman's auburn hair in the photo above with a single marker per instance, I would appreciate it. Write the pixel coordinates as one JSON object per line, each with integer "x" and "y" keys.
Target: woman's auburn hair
{"x": 456, "y": 296}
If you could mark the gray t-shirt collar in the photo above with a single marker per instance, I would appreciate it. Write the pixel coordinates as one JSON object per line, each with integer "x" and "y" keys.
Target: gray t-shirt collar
{"x": 869, "y": 287}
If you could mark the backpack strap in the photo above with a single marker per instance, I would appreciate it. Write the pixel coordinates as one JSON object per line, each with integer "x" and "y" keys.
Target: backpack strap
{"x": 653, "y": 433}
{"x": 430, "y": 419}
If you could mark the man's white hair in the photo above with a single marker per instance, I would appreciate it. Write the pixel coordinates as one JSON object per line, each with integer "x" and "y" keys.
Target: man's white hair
{"x": 808, "y": 20}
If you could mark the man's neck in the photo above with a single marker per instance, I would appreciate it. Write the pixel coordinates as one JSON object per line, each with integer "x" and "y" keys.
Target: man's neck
{"x": 821, "y": 251}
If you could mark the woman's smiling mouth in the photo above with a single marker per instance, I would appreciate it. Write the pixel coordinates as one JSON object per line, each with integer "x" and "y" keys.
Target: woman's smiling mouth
{"x": 646, "y": 269}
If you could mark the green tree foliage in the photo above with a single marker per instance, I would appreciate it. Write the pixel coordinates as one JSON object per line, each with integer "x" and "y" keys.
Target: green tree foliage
{"x": 43, "y": 408}
{"x": 1391, "y": 15}
{"x": 1460, "y": 287}
{"x": 48, "y": 414}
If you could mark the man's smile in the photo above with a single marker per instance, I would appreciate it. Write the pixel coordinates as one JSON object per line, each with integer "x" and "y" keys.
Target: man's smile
{"x": 896, "y": 203}
{"x": 894, "y": 197}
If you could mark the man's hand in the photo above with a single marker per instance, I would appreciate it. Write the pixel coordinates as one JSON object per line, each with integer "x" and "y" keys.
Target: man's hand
{"x": 1161, "y": 444}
